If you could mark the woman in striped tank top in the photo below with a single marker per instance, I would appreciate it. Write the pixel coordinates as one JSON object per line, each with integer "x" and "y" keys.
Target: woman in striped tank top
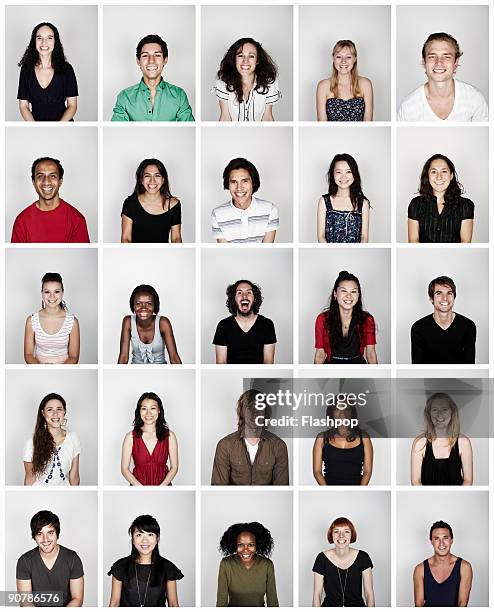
{"x": 51, "y": 334}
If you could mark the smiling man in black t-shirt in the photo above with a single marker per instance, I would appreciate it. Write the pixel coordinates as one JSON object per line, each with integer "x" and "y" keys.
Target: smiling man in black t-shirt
{"x": 245, "y": 336}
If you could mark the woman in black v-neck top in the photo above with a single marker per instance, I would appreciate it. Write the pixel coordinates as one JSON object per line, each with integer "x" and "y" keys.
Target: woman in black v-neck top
{"x": 57, "y": 99}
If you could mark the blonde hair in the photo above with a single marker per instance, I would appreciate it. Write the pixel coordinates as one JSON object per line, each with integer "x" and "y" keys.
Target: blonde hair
{"x": 454, "y": 423}
{"x": 354, "y": 77}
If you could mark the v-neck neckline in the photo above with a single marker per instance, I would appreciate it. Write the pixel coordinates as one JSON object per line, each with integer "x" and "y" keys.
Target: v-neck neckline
{"x": 48, "y": 569}
{"x": 39, "y": 84}
{"x": 150, "y": 453}
{"x": 242, "y": 330}
{"x": 449, "y": 575}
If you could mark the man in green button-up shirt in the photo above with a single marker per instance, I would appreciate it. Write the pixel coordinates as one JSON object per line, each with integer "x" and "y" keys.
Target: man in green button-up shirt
{"x": 152, "y": 99}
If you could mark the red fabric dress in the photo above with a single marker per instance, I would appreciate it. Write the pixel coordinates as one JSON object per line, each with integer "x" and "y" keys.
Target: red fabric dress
{"x": 150, "y": 469}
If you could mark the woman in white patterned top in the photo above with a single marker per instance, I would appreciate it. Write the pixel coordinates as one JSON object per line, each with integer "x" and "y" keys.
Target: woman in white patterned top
{"x": 52, "y": 334}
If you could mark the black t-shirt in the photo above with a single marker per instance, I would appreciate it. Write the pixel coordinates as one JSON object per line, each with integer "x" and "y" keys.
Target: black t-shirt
{"x": 342, "y": 586}
{"x": 245, "y": 347}
{"x": 147, "y": 227}
{"x": 153, "y": 577}
{"x": 67, "y": 567}
{"x": 444, "y": 227}
{"x": 47, "y": 104}
{"x": 433, "y": 344}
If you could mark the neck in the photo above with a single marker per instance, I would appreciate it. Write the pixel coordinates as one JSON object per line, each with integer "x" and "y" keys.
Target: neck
{"x": 152, "y": 83}
{"x": 443, "y": 317}
{"x": 52, "y": 311}
{"x": 441, "y": 90}
{"x": 342, "y": 432}
{"x": 245, "y": 206}
{"x": 343, "y": 192}
{"x": 248, "y": 80}
{"x": 144, "y": 324}
{"x": 344, "y": 79}
{"x": 247, "y": 317}
{"x": 43, "y": 204}
{"x": 150, "y": 197}
{"x": 252, "y": 441}
{"x": 439, "y": 196}
{"x": 342, "y": 552}
{"x": 144, "y": 559}
{"x": 44, "y": 61}
{"x": 345, "y": 314}
{"x": 53, "y": 553}
{"x": 149, "y": 428}
{"x": 441, "y": 432}
{"x": 443, "y": 559}
{"x": 56, "y": 432}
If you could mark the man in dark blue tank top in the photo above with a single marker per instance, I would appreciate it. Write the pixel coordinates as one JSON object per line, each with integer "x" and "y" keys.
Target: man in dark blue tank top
{"x": 443, "y": 579}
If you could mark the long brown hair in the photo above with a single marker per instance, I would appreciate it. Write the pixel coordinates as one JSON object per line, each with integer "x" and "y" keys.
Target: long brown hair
{"x": 354, "y": 76}
{"x": 454, "y": 424}
{"x": 43, "y": 442}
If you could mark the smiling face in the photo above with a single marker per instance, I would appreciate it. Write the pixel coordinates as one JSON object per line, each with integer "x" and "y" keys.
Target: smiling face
{"x": 443, "y": 299}
{"x": 151, "y": 61}
{"x": 46, "y": 539}
{"x": 240, "y": 187}
{"x": 143, "y": 306}
{"x": 45, "y": 40}
{"x": 343, "y": 175}
{"x": 244, "y": 299}
{"x": 440, "y": 176}
{"x": 52, "y": 294}
{"x": 344, "y": 60}
{"x": 246, "y": 547}
{"x": 342, "y": 536}
{"x": 440, "y": 413}
{"x": 149, "y": 411}
{"x": 144, "y": 541}
{"x": 152, "y": 180}
{"x": 440, "y": 63}
{"x": 54, "y": 413}
{"x": 441, "y": 541}
{"x": 47, "y": 181}
{"x": 246, "y": 60}
{"x": 347, "y": 294}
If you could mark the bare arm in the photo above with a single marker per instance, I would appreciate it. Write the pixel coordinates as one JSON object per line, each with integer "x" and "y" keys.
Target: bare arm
{"x": 321, "y": 99}
{"x": 74, "y": 477}
{"x": 29, "y": 477}
{"x": 320, "y": 356}
{"x": 413, "y": 231}
{"x": 76, "y": 592}
{"x": 466, "y": 577}
{"x": 368, "y": 588}
{"x": 364, "y": 236}
{"x": 370, "y": 353}
{"x": 74, "y": 343}
{"x": 125, "y": 461}
{"x": 268, "y": 113}
{"x": 29, "y": 343}
{"x": 417, "y": 458}
{"x": 171, "y": 594}
{"x": 317, "y": 590}
{"x": 24, "y": 586}
{"x": 418, "y": 586}
{"x": 116, "y": 593}
{"x": 317, "y": 462}
{"x": 173, "y": 460}
{"x": 366, "y": 86}
{"x": 123, "y": 356}
{"x": 71, "y": 109}
{"x": 176, "y": 237}
{"x": 466, "y": 230}
{"x": 25, "y": 110}
{"x": 466, "y": 456}
{"x": 166, "y": 330}
{"x": 268, "y": 353}
{"x": 126, "y": 234}
{"x": 224, "y": 112}
{"x": 321, "y": 220}
{"x": 269, "y": 236}
{"x": 221, "y": 353}
{"x": 368, "y": 462}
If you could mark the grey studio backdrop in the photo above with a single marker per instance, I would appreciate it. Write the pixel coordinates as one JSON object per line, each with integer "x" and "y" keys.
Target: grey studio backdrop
{"x": 173, "y": 145}
{"x": 269, "y": 268}
{"x": 318, "y": 271}
{"x": 320, "y": 29}
{"x": 416, "y": 511}
{"x": 270, "y": 25}
{"x": 273, "y": 509}
{"x": 416, "y": 267}
{"x": 124, "y": 26}
{"x": 78, "y": 28}
{"x": 78, "y": 514}
{"x": 78, "y": 268}
{"x": 120, "y": 394}
{"x": 77, "y": 150}
{"x": 220, "y": 393}
{"x": 369, "y": 511}
{"x": 269, "y": 148}
{"x": 371, "y": 150}
{"x": 170, "y": 272}
{"x": 415, "y": 146}
{"x": 175, "y": 512}
{"x": 468, "y": 24}
{"x": 25, "y": 389}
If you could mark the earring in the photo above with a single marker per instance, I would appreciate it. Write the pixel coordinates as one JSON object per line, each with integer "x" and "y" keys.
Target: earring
{"x": 63, "y": 422}
{"x": 42, "y": 304}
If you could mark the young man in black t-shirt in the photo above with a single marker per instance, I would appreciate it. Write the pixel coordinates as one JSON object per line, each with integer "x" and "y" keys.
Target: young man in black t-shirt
{"x": 245, "y": 336}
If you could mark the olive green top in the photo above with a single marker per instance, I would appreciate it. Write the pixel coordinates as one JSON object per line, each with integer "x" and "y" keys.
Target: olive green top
{"x": 242, "y": 586}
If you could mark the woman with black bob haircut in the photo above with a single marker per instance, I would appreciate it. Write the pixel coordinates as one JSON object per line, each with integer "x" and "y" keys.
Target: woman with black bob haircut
{"x": 345, "y": 332}
{"x": 151, "y": 213}
{"x": 343, "y": 212}
{"x": 440, "y": 213}
{"x": 145, "y": 331}
{"x": 246, "y": 87}
{"x": 246, "y": 574}
{"x": 151, "y": 445}
{"x": 144, "y": 578}
{"x": 47, "y": 84}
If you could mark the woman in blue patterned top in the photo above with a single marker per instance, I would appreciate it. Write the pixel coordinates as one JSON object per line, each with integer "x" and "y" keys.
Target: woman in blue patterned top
{"x": 343, "y": 212}
{"x": 345, "y": 96}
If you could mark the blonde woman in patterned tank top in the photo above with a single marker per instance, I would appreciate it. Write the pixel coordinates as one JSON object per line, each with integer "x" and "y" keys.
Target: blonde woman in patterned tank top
{"x": 52, "y": 334}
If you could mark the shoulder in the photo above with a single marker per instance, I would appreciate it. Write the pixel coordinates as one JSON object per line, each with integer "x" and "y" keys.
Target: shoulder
{"x": 264, "y": 320}
{"x": 174, "y": 90}
{"x": 70, "y": 555}
{"x": 364, "y": 559}
{"x": 223, "y": 208}
{"x": 129, "y": 91}
{"x": 418, "y": 571}
{"x": 126, "y": 321}
{"x": 73, "y": 437}
{"x": 467, "y": 205}
{"x": 120, "y": 567}
{"x": 25, "y": 212}
{"x": 131, "y": 200}
{"x": 170, "y": 570}
{"x": 228, "y": 321}
{"x": 165, "y": 323}
{"x": 465, "y": 320}
{"x": 324, "y": 86}
{"x": 71, "y": 209}
{"x": 264, "y": 561}
{"x": 417, "y": 200}
{"x": 321, "y": 318}
{"x": 28, "y": 556}
{"x": 467, "y": 89}
{"x": 174, "y": 201}
{"x": 419, "y": 444}
{"x": 423, "y": 322}
{"x": 263, "y": 205}
{"x": 273, "y": 438}
{"x": 365, "y": 84}
{"x": 228, "y": 438}
{"x": 466, "y": 567}
{"x": 413, "y": 96}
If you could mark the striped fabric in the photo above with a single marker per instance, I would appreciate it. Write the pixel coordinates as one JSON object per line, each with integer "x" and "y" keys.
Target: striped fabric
{"x": 250, "y": 225}
{"x": 251, "y": 109}
{"x": 52, "y": 348}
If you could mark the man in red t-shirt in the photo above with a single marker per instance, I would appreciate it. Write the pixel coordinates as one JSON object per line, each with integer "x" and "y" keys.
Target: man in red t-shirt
{"x": 49, "y": 219}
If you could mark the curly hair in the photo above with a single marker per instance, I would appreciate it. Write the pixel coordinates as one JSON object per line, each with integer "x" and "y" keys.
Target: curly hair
{"x": 145, "y": 289}
{"x": 43, "y": 442}
{"x": 31, "y": 56}
{"x": 266, "y": 69}
{"x": 230, "y": 297}
{"x": 455, "y": 188}
{"x": 164, "y": 189}
{"x": 162, "y": 430}
{"x": 357, "y": 196}
{"x": 264, "y": 541}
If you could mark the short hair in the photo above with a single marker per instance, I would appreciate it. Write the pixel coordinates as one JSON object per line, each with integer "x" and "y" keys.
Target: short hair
{"x": 145, "y": 289}
{"x": 342, "y": 521}
{"x": 40, "y": 160}
{"x": 240, "y": 163}
{"x": 42, "y": 519}
{"x": 441, "y": 280}
{"x": 445, "y": 37}
{"x": 152, "y": 38}
{"x": 230, "y": 296}
{"x": 440, "y": 525}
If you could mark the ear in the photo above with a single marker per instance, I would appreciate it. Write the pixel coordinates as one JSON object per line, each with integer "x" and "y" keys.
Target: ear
{"x": 165, "y": 61}
{"x": 138, "y": 61}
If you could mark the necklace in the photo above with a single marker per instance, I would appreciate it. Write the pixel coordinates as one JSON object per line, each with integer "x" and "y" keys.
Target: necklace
{"x": 343, "y": 587}
{"x": 147, "y": 584}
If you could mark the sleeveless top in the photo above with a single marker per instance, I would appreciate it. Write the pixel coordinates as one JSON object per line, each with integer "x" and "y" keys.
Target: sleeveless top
{"x": 345, "y": 110}
{"x": 342, "y": 466}
{"x": 154, "y": 352}
{"x": 342, "y": 225}
{"x": 445, "y": 471}
{"x": 348, "y": 351}
{"x": 52, "y": 348}
{"x": 150, "y": 469}
{"x": 444, "y": 594}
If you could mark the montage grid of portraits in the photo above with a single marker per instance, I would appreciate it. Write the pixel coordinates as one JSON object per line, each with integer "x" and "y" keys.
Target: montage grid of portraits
{"x": 346, "y": 321}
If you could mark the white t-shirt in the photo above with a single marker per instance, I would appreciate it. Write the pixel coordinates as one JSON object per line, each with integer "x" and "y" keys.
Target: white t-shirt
{"x": 58, "y": 467}
{"x": 469, "y": 105}
{"x": 251, "y": 109}
{"x": 250, "y": 225}
{"x": 252, "y": 450}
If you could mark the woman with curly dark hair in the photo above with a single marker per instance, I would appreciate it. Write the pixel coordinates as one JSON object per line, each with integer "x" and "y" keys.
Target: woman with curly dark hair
{"x": 47, "y": 84}
{"x": 343, "y": 212}
{"x": 246, "y": 574}
{"x": 51, "y": 456}
{"x": 145, "y": 331}
{"x": 440, "y": 213}
{"x": 150, "y": 445}
{"x": 345, "y": 332}
{"x": 247, "y": 87}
